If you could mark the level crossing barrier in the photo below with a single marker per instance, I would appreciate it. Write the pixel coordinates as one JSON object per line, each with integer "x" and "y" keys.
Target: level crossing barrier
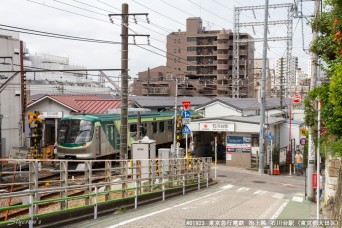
{"x": 62, "y": 185}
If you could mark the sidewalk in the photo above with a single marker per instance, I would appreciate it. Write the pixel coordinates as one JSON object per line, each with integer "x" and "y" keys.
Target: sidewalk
{"x": 299, "y": 210}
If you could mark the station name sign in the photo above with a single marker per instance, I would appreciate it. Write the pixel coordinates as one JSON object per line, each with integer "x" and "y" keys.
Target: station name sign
{"x": 218, "y": 126}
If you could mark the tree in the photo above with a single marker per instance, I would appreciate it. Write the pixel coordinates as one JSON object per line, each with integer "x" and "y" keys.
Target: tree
{"x": 328, "y": 46}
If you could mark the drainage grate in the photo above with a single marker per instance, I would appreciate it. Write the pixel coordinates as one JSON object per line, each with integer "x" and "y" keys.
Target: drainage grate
{"x": 260, "y": 182}
{"x": 221, "y": 176}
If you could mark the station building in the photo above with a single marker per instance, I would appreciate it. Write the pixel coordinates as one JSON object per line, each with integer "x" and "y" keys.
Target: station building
{"x": 235, "y": 124}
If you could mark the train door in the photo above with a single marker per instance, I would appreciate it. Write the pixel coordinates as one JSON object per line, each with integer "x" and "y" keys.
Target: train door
{"x": 98, "y": 140}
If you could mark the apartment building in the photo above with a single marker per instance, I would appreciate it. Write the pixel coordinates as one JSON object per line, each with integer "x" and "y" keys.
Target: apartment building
{"x": 205, "y": 59}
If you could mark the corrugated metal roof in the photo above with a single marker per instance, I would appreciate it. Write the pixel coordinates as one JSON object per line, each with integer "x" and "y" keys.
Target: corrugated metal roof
{"x": 90, "y": 104}
{"x": 248, "y": 103}
{"x": 98, "y": 106}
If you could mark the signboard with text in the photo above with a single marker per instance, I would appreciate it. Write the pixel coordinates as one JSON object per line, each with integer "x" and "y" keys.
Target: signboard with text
{"x": 218, "y": 126}
{"x": 238, "y": 144}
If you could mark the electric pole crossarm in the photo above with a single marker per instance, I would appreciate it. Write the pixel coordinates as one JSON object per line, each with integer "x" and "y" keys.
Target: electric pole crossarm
{"x": 261, "y": 39}
{"x": 273, "y": 6}
{"x": 262, "y": 23}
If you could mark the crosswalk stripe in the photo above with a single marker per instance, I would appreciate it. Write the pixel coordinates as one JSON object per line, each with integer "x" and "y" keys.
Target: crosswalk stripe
{"x": 278, "y": 195}
{"x": 259, "y": 192}
{"x": 243, "y": 189}
{"x": 228, "y": 186}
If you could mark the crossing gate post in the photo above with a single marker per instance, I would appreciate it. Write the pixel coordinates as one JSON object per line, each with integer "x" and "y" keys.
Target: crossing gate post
{"x": 95, "y": 203}
{"x": 35, "y": 180}
{"x": 88, "y": 181}
{"x": 136, "y": 193}
{"x": 163, "y": 178}
{"x": 138, "y": 175}
{"x": 124, "y": 178}
{"x": 64, "y": 184}
{"x": 150, "y": 175}
{"x": 108, "y": 179}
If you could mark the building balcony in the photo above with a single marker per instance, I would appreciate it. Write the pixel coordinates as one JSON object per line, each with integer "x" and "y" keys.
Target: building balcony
{"x": 222, "y": 56}
{"x": 185, "y": 92}
{"x": 223, "y": 46}
{"x": 222, "y": 66}
{"x": 205, "y": 72}
{"x": 156, "y": 91}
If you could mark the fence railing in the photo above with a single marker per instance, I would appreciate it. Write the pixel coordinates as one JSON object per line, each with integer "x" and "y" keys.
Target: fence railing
{"x": 43, "y": 187}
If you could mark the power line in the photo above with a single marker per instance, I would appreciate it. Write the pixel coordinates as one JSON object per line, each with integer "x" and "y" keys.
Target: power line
{"x": 159, "y": 13}
{"x": 56, "y": 35}
{"x": 82, "y": 15}
{"x": 211, "y": 12}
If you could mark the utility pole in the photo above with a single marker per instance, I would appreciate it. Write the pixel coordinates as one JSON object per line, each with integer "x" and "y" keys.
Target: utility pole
{"x": 263, "y": 95}
{"x": 281, "y": 83}
{"x": 175, "y": 120}
{"x": 124, "y": 76}
{"x": 313, "y": 85}
{"x": 148, "y": 82}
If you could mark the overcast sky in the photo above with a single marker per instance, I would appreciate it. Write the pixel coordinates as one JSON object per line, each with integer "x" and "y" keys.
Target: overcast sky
{"x": 89, "y": 19}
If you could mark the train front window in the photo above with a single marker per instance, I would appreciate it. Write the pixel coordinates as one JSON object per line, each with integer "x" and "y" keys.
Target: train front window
{"x": 76, "y": 131}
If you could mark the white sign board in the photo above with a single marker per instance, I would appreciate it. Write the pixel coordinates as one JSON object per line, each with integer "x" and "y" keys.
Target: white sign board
{"x": 52, "y": 114}
{"x": 218, "y": 126}
{"x": 186, "y": 121}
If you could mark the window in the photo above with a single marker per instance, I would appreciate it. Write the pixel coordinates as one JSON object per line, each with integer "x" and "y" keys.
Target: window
{"x": 155, "y": 127}
{"x": 179, "y": 50}
{"x": 175, "y": 41}
{"x": 169, "y": 125}
{"x": 161, "y": 127}
{"x": 179, "y": 41}
{"x": 174, "y": 50}
{"x": 133, "y": 128}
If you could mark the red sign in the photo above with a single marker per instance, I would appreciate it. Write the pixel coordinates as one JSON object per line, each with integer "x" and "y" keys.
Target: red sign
{"x": 186, "y": 104}
{"x": 314, "y": 180}
{"x": 302, "y": 141}
{"x": 296, "y": 98}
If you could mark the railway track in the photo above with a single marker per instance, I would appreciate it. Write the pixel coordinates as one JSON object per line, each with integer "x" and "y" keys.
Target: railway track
{"x": 19, "y": 213}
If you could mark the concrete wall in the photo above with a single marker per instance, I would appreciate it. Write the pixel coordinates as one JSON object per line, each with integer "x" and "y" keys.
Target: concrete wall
{"x": 10, "y": 97}
{"x": 331, "y": 178}
{"x": 240, "y": 160}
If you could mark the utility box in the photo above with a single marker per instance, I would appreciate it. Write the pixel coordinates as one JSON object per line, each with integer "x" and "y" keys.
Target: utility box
{"x": 143, "y": 150}
{"x": 165, "y": 154}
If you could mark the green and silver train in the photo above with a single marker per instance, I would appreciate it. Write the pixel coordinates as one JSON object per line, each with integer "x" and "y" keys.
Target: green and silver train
{"x": 94, "y": 136}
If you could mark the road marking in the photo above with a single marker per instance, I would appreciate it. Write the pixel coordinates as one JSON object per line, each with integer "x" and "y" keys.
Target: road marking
{"x": 186, "y": 208}
{"x": 277, "y": 213}
{"x": 160, "y": 211}
{"x": 228, "y": 186}
{"x": 243, "y": 189}
{"x": 259, "y": 192}
{"x": 281, "y": 208}
{"x": 297, "y": 199}
{"x": 278, "y": 195}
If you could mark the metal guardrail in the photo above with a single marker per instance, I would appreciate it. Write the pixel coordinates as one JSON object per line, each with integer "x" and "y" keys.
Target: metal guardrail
{"x": 67, "y": 184}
